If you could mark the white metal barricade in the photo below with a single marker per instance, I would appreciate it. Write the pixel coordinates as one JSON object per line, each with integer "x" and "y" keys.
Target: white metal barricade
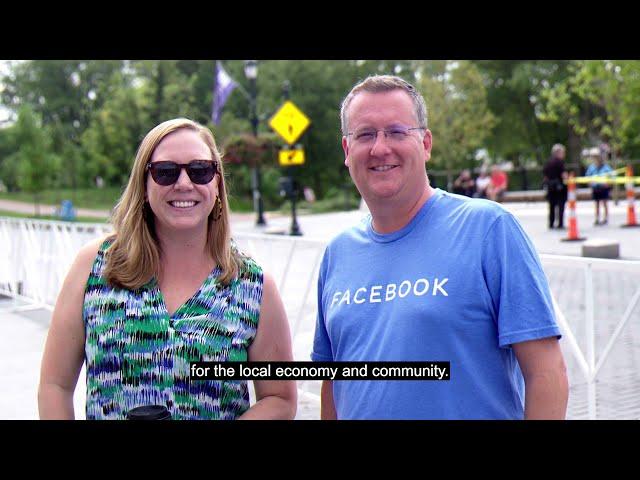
{"x": 589, "y": 365}
{"x": 35, "y": 256}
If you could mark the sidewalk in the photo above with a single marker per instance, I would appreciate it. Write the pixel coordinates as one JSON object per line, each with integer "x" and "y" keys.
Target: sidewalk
{"x": 324, "y": 226}
{"x": 532, "y": 216}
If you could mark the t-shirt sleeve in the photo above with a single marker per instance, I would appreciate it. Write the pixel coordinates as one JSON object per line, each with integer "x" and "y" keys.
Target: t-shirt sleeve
{"x": 321, "y": 344}
{"x": 517, "y": 284}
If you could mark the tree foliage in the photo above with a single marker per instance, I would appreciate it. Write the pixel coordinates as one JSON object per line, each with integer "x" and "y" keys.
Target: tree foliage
{"x": 599, "y": 101}
{"x": 458, "y": 115}
{"x": 89, "y": 116}
{"x": 36, "y": 165}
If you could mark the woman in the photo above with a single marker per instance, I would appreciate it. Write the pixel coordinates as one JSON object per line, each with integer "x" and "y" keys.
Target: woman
{"x": 168, "y": 288}
{"x": 599, "y": 191}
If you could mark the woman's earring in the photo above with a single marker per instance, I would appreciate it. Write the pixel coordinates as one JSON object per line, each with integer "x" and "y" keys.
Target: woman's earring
{"x": 217, "y": 208}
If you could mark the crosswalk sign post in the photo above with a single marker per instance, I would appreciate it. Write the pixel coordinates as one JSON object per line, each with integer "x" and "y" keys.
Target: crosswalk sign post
{"x": 290, "y": 123}
{"x": 291, "y": 158}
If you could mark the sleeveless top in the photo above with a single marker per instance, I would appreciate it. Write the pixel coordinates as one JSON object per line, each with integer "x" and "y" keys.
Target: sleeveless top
{"x": 136, "y": 354}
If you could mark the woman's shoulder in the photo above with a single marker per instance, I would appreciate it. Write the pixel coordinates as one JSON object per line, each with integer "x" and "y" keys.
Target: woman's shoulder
{"x": 90, "y": 250}
{"x": 248, "y": 267}
{"x": 84, "y": 262}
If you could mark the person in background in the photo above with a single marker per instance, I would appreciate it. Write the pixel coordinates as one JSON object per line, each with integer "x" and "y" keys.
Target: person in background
{"x": 482, "y": 183}
{"x": 498, "y": 185}
{"x": 464, "y": 184}
{"x": 599, "y": 190}
{"x": 554, "y": 176}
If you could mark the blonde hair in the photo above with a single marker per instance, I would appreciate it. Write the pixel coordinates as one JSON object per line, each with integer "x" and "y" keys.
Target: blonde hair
{"x": 134, "y": 256}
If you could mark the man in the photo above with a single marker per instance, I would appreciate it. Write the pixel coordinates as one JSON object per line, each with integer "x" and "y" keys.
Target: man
{"x": 554, "y": 175}
{"x": 430, "y": 276}
{"x": 599, "y": 191}
{"x": 464, "y": 184}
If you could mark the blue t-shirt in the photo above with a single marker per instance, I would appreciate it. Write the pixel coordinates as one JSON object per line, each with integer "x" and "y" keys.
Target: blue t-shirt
{"x": 594, "y": 171}
{"x": 460, "y": 283}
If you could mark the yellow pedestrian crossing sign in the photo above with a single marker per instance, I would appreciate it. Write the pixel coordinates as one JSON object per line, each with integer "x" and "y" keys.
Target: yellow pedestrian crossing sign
{"x": 288, "y": 157}
{"x": 289, "y": 122}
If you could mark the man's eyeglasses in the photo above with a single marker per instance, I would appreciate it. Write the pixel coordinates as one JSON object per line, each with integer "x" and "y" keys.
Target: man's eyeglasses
{"x": 200, "y": 172}
{"x": 368, "y": 136}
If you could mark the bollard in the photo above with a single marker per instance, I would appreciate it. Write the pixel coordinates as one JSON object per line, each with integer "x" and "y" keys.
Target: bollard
{"x": 572, "y": 235}
{"x": 631, "y": 198}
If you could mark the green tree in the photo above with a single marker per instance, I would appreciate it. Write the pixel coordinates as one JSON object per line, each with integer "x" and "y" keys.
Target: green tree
{"x": 166, "y": 87}
{"x": 458, "y": 114}
{"x": 109, "y": 144}
{"x": 8, "y": 168}
{"x": 60, "y": 91}
{"x": 64, "y": 94}
{"x": 514, "y": 90}
{"x": 599, "y": 100}
{"x": 36, "y": 165}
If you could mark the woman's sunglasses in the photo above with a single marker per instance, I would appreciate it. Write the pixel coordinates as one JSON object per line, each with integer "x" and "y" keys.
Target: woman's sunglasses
{"x": 200, "y": 172}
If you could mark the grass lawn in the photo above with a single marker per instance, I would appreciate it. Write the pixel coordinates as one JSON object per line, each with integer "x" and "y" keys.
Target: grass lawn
{"x": 99, "y": 199}
{"x": 92, "y": 198}
{"x": 5, "y": 213}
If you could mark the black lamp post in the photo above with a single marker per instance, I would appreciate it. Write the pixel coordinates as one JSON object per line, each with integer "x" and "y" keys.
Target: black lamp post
{"x": 251, "y": 72}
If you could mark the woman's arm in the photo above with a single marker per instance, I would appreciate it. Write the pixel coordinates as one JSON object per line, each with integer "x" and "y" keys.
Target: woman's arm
{"x": 276, "y": 399}
{"x": 64, "y": 349}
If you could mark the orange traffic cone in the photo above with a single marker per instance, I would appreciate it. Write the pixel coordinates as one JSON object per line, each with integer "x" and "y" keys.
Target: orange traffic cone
{"x": 631, "y": 197}
{"x": 573, "y": 235}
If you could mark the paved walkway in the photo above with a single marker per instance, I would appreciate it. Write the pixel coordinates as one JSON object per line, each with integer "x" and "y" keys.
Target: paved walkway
{"x": 532, "y": 216}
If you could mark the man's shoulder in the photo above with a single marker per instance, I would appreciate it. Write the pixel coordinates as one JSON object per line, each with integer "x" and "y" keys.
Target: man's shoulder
{"x": 354, "y": 234}
{"x": 477, "y": 207}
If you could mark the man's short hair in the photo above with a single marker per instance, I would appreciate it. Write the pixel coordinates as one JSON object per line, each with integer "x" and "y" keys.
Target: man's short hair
{"x": 385, "y": 83}
{"x": 556, "y": 148}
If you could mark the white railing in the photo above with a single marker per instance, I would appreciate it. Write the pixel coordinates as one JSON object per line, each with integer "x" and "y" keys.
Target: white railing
{"x": 35, "y": 255}
{"x": 586, "y": 360}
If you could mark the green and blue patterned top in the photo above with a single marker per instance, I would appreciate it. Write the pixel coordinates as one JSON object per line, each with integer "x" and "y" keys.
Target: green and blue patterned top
{"x": 137, "y": 354}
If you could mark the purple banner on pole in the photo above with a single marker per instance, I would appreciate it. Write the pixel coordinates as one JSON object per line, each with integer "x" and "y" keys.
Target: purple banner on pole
{"x": 223, "y": 87}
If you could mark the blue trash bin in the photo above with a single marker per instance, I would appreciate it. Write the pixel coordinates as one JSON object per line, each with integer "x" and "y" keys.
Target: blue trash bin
{"x": 67, "y": 212}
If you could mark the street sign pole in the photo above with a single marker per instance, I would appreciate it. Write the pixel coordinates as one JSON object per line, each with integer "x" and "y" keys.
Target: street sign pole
{"x": 290, "y": 123}
{"x": 295, "y": 228}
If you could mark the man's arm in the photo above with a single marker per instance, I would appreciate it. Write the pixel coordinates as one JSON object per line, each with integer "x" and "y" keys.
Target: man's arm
{"x": 545, "y": 377}
{"x": 327, "y": 407}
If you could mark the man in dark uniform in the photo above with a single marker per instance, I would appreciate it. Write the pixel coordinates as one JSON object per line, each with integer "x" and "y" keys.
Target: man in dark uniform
{"x": 554, "y": 176}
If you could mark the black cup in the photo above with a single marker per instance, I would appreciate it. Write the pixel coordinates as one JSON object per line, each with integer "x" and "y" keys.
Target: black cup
{"x": 149, "y": 412}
